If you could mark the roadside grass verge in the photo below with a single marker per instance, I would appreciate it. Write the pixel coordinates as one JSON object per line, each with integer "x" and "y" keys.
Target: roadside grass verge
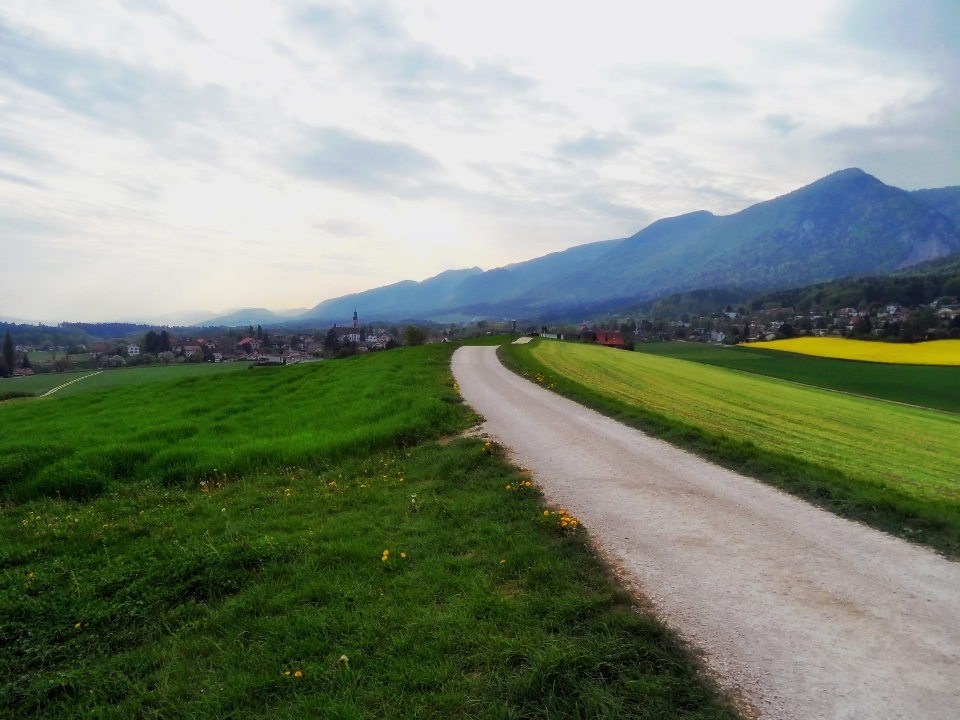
{"x": 892, "y": 467}
{"x": 266, "y": 593}
{"x": 931, "y": 386}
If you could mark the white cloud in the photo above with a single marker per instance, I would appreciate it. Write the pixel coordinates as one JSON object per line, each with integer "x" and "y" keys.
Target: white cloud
{"x": 162, "y": 156}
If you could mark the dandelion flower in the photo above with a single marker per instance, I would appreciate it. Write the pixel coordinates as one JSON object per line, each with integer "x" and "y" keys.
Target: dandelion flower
{"x": 286, "y": 672}
{"x": 502, "y": 561}
{"x": 546, "y": 512}
{"x": 30, "y": 575}
{"x": 76, "y": 626}
{"x": 403, "y": 554}
{"x": 298, "y": 674}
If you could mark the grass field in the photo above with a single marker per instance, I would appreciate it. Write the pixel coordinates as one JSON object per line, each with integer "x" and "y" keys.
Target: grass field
{"x": 937, "y": 352}
{"x": 44, "y": 356}
{"x": 39, "y": 384}
{"x": 346, "y": 565}
{"x": 930, "y": 386}
{"x": 893, "y": 466}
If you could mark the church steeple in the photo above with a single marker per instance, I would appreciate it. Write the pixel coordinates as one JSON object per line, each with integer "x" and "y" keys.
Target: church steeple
{"x": 355, "y": 319}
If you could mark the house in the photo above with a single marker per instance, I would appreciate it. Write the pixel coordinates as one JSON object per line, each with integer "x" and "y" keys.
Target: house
{"x": 718, "y": 337}
{"x": 609, "y": 338}
{"x": 190, "y": 350}
{"x": 133, "y": 350}
{"x": 249, "y": 345}
{"x": 217, "y": 357}
{"x": 23, "y": 372}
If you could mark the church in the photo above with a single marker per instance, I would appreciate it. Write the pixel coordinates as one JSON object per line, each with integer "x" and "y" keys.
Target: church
{"x": 349, "y": 334}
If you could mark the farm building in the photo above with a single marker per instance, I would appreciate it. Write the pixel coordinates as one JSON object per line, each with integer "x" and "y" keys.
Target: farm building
{"x": 609, "y": 338}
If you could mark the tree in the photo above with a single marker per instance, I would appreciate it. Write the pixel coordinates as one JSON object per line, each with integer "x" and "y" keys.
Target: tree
{"x": 151, "y": 342}
{"x": 163, "y": 342}
{"x": 259, "y": 333}
{"x": 413, "y": 336}
{"x": 166, "y": 357}
{"x": 249, "y": 331}
{"x": 8, "y": 359}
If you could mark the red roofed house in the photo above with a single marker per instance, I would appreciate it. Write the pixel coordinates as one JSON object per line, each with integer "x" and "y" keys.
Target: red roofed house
{"x": 249, "y": 345}
{"x": 609, "y": 338}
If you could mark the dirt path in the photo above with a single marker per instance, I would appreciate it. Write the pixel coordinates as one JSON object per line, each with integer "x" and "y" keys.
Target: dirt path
{"x": 805, "y": 614}
{"x": 61, "y": 387}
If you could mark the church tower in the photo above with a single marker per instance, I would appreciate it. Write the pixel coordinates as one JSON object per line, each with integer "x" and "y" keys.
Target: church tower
{"x": 355, "y": 318}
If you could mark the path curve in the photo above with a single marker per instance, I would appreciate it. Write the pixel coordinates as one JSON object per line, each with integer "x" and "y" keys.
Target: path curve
{"x": 805, "y": 614}
{"x": 61, "y": 387}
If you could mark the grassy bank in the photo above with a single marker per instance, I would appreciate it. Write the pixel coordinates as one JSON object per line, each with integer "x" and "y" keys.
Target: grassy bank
{"x": 269, "y": 592}
{"x": 234, "y": 423}
{"x": 119, "y": 377}
{"x": 893, "y": 467}
{"x": 929, "y": 386}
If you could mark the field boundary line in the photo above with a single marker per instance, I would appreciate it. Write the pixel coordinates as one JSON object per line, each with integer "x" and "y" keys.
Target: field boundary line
{"x": 61, "y": 387}
{"x": 833, "y": 390}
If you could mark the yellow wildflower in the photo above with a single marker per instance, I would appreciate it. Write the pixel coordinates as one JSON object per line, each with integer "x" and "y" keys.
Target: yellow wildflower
{"x": 286, "y": 672}
{"x": 403, "y": 554}
{"x": 298, "y": 674}
{"x": 546, "y": 512}
{"x": 76, "y": 626}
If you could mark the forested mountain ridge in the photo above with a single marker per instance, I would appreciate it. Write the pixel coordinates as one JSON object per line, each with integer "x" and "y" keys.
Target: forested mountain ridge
{"x": 848, "y": 223}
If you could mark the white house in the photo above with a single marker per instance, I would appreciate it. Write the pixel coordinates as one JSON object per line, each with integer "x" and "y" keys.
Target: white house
{"x": 133, "y": 350}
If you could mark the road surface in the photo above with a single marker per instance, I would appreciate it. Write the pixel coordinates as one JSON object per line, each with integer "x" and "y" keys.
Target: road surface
{"x": 802, "y": 613}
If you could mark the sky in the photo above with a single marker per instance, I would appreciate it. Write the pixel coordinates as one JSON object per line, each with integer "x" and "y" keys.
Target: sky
{"x": 160, "y": 160}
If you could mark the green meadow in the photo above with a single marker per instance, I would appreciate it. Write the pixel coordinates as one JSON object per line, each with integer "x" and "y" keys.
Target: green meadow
{"x": 893, "y": 466}
{"x": 94, "y": 380}
{"x": 931, "y": 386}
{"x": 305, "y": 541}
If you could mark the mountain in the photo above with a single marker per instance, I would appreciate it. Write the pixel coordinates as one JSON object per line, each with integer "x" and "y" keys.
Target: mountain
{"x": 454, "y": 290}
{"x": 250, "y": 316}
{"x": 848, "y": 223}
{"x": 946, "y": 201}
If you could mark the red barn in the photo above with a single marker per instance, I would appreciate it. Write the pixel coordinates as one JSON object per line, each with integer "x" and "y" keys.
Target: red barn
{"x": 609, "y": 338}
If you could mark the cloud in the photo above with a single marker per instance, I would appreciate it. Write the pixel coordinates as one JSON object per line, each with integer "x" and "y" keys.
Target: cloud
{"x": 349, "y": 160}
{"x": 595, "y": 147}
{"x": 116, "y": 94}
{"x": 370, "y": 37}
{"x": 783, "y": 124}
{"x": 10, "y": 177}
{"x": 343, "y": 144}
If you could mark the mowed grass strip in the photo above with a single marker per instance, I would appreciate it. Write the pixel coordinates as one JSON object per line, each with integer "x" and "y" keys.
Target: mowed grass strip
{"x": 197, "y": 427}
{"x": 417, "y": 580}
{"x": 893, "y": 466}
{"x": 931, "y": 386}
{"x": 935, "y": 352}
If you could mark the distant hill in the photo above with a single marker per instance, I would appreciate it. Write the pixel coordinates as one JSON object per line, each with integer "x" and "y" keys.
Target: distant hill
{"x": 848, "y": 223}
{"x": 250, "y": 316}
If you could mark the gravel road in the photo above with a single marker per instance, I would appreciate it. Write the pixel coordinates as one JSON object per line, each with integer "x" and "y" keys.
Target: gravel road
{"x": 803, "y": 614}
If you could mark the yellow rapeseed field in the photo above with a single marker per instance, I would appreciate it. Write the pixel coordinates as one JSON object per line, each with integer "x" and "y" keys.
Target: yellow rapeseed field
{"x": 936, "y": 352}
{"x": 912, "y": 448}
